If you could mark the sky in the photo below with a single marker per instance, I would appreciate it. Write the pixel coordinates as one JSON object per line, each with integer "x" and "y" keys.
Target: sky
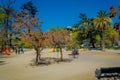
{"x": 63, "y": 13}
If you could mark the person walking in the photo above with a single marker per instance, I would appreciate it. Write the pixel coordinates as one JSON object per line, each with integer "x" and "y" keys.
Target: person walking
{"x": 19, "y": 49}
{"x": 22, "y": 51}
{"x": 16, "y": 49}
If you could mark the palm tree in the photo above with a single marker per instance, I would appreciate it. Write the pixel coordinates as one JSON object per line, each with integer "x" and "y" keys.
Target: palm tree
{"x": 113, "y": 13}
{"x": 102, "y": 22}
{"x": 86, "y": 27}
{"x": 83, "y": 28}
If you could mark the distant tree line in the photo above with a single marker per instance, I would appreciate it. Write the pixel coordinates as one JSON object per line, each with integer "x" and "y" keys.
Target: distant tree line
{"x": 98, "y": 31}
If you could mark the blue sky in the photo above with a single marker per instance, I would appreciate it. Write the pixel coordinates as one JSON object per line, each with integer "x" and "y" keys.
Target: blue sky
{"x": 63, "y": 13}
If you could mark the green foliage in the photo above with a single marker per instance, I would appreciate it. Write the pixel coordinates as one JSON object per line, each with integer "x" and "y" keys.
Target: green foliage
{"x": 2, "y": 16}
{"x": 57, "y": 28}
{"x": 111, "y": 36}
{"x": 3, "y": 40}
{"x": 30, "y": 7}
{"x": 113, "y": 47}
{"x": 102, "y": 13}
{"x": 110, "y": 32}
{"x": 69, "y": 47}
{"x": 84, "y": 30}
{"x": 97, "y": 31}
{"x": 7, "y": 15}
{"x": 74, "y": 36}
{"x": 98, "y": 39}
{"x": 102, "y": 22}
{"x": 27, "y": 45}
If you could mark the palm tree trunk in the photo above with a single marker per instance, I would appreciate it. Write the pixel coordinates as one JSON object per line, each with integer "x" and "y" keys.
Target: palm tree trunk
{"x": 103, "y": 39}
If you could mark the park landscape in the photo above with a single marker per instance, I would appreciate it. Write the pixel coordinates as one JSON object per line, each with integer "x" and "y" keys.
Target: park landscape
{"x": 29, "y": 53}
{"x": 18, "y": 67}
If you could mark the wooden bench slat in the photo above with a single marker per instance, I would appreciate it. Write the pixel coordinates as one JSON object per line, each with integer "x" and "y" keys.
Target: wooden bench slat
{"x": 107, "y": 72}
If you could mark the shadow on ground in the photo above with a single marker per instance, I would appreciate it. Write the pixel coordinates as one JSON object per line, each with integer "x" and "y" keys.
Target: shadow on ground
{"x": 2, "y": 63}
{"x": 6, "y": 56}
{"x": 118, "y": 53}
{"x": 48, "y": 61}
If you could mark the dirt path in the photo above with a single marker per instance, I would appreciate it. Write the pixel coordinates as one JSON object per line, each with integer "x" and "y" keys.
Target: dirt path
{"x": 17, "y": 67}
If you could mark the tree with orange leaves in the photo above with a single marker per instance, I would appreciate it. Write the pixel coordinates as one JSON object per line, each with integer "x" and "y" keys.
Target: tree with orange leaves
{"x": 58, "y": 39}
{"x": 30, "y": 31}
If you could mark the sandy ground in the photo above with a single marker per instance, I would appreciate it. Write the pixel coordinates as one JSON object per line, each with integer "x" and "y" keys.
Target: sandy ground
{"x": 17, "y": 67}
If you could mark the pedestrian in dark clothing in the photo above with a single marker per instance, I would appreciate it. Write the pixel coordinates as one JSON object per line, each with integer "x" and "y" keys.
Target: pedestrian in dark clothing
{"x": 18, "y": 50}
{"x": 75, "y": 52}
{"x": 22, "y": 50}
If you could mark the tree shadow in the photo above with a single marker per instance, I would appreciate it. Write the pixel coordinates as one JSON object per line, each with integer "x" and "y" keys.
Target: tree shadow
{"x": 48, "y": 61}
{"x": 118, "y": 53}
{"x": 6, "y": 56}
{"x": 3, "y": 57}
{"x": 2, "y": 63}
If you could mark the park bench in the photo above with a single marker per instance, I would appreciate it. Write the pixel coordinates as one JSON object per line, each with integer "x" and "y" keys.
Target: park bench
{"x": 112, "y": 73}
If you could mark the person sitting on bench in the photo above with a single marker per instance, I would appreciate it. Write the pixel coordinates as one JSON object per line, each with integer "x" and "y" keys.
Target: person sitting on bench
{"x": 74, "y": 52}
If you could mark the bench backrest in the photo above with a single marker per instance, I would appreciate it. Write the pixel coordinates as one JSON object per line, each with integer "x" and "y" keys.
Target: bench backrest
{"x": 110, "y": 70}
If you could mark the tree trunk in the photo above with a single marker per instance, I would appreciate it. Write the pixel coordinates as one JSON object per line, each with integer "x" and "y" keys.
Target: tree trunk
{"x": 103, "y": 40}
{"x": 37, "y": 56}
{"x": 113, "y": 42}
{"x": 6, "y": 30}
{"x": 11, "y": 33}
{"x": 10, "y": 41}
{"x": 93, "y": 44}
{"x": 61, "y": 57}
